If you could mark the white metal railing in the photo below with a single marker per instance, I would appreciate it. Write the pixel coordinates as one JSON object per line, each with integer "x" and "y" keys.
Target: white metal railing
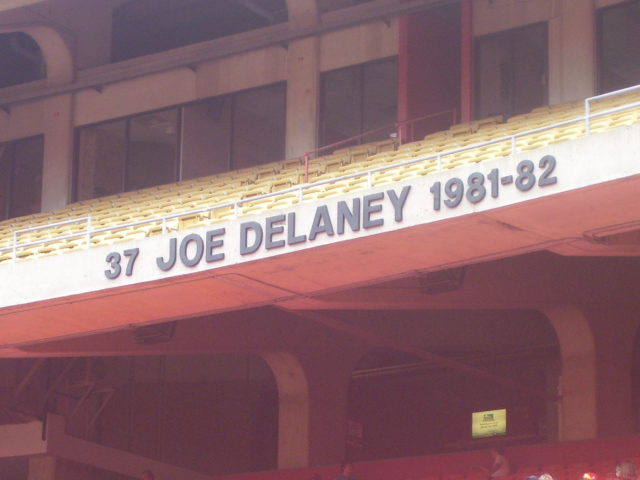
{"x": 89, "y": 232}
{"x": 587, "y": 105}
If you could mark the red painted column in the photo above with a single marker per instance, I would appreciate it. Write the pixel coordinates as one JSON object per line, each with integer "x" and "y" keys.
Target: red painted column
{"x": 403, "y": 78}
{"x": 428, "y": 71}
{"x": 466, "y": 61}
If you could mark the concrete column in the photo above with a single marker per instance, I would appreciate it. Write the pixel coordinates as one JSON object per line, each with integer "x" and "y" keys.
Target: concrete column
{"x": 577, "y": 409}
{"x": 313, "y": 399}
{"x": 42, "y": 468}
{"x": 293, "y": 409}
{"x": 303, "y": 92}
{"x": 572, "y": 51}
{"x": 303, "y": 81}
{"x": 615, "y": 333}
{"x": 58, "y": 152}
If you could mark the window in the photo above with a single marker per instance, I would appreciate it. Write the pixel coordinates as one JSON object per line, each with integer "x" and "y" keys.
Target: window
{"x": 202, "y": 138}
{"x": 234, "y": 131}
{"x": 511, "y": 71}
{"x": 357, "y": 100}
{"x": 153, "y": 150}
{"x": 20, "y": 59}
{"x": 21, "y": 177}
{"x": 142, "y": 27}
{"x": 128, "y": 154}
{"x": 618, "y": 47}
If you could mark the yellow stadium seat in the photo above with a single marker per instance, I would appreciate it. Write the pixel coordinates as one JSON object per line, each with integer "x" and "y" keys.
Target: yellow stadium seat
{"x": 488, "y": 122}
{"x": 457, "y": 159}
{"x": 624, "y": 118}
{"x": 221, "y": 213}
{"x": 285, "y": 200}
{"x": 254, "y": 206}
{"x": 310, "y": 192}
{"x": 424, "y": 168}
{"x": 5, "y": 257}
{"x": 537, "y": 140}
{"x": 570, "y": 132}
{"x": 387, "y": 176}
{"x": 25, "y": 253}
{"x": 196, "y": 194}
{"x": 382, "y": 146}
{"x": 357, "y": 183}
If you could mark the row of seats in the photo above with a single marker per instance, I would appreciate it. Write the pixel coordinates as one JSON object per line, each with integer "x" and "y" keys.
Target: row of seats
{"x": 249, "y": 185}
{"x": 604, "y": 470}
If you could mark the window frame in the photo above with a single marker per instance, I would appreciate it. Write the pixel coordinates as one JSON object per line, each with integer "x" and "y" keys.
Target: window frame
{"x": 75, "y": 191}
{"x": 476, "y": 67}
{"x": 361, "y": 83}
{"x": 76, "y": 167}
{"x": 6, "y": 214}
{"x": 599, "y": 48}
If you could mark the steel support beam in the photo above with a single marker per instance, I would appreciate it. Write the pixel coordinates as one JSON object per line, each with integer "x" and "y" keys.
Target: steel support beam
{"x": 190, "y": 55}
{"x": 377, "y": 339}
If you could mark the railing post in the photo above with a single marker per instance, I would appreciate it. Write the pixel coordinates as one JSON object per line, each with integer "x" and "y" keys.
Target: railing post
{"x": 439, "y": 162}
{"x": 306, "y": 167}
{"x": 164, "y": 225}
{"x": 369, "y": 179}
{"x": 88, "y": 234}
{"x": 513, "y": 144}
{"x": 587, "y": 117}
{"x": 15, "y": 247}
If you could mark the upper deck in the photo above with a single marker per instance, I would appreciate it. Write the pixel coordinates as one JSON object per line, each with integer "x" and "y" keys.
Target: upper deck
{"x": 561, "y": 179}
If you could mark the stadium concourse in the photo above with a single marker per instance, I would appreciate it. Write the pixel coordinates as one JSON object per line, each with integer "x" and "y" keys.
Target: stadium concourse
{"x": 255, "y": 238}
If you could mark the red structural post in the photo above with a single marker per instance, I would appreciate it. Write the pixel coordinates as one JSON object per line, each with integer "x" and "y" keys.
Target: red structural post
{"x": 403, "y": 78}
{"x": 466, "y": 61}
{"x": 306, "y": 167}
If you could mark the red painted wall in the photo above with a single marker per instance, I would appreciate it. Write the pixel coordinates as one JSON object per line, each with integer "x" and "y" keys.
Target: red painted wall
{"x": 429, "y": 67}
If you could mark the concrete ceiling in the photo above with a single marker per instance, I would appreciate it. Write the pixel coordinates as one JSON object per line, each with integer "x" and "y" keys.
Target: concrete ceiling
{"x": 11, "y": 4}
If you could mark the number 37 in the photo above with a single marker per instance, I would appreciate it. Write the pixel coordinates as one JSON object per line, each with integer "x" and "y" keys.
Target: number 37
{"x": 114, "y": 258}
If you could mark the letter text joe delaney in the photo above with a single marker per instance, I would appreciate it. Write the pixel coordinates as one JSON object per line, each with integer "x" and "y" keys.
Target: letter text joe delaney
{"x": 272, "y": 232}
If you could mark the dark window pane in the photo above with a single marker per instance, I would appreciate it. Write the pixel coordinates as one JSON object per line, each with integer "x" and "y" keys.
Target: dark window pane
{"x": 26, "y": 191}
{"x": 380, "y": 99}
{"x": 511, "y": 71}
{"x": 102, "y": 153}
{"x": 341, "y": 105}
{"x": 359, "y": 99}
{"x": 206, "y": 137}
{"x": 142, "y": 27}
{"x": 20, "y": 59}
{"x": 203, "y": 138}
{"x": 619, "y": 47}
{"x": 530, "y": 68}
{"x": 492, "y": 77}
{"x": 258, "y": 126}
{"x": 152, "y": 156}
{"x": 6, "y": 151}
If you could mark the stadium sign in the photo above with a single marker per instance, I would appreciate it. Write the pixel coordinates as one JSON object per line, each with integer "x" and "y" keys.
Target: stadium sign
{"x": 541, "y": 195}
{"x": 362, "y": 212}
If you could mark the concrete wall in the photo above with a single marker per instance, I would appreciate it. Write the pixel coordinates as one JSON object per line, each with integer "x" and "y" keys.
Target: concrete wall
{"x": 571, "y": 63}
